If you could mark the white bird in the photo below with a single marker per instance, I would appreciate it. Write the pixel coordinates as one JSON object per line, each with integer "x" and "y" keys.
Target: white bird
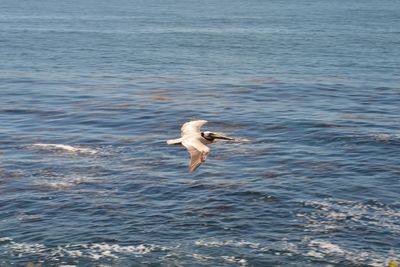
{"x": 195, "y": 142}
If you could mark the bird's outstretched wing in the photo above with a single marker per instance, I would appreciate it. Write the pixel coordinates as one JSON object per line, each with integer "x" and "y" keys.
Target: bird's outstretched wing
{"x": 198, "y": 153}
{"x": 192, "y": 127}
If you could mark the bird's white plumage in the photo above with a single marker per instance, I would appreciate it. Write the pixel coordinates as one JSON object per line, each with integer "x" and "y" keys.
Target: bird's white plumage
{"x": 195, "y": 143}
{"x": 192, "y": 127}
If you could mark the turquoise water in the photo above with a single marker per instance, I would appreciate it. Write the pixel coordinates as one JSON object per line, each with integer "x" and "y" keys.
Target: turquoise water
{"x": 91, "y": 90}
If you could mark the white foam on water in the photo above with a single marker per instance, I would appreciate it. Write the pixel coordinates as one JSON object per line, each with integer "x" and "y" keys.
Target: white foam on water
{"x": 326, "y": 247}
{"x": 21, "y": 248}
{"x": 385, "y": 137}
{"x": 201, "y": 257}
{"x": 315, "y": 248}
{"x": 60, "y": 182}
{"x": 334, "y": 214}
{"x": 103, "y": 250}
{"x": 232, "y": 259}
{"x": 282, "y": 247}
{"x": 94, "y": 251}
{"x": 68, "y": 183}
{"x": 337, "y": 215}
{"x": 313, "y": 253}
{"x": 339, "y": 211}
{"x": 65, "y": 148}
{"x": 322, "y": 248}
{"x": 222, "y": 243}
{"x": 107, "y": 249}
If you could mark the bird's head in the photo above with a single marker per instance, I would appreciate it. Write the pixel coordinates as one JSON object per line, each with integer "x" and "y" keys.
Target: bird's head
{"x": 211, "y": 136}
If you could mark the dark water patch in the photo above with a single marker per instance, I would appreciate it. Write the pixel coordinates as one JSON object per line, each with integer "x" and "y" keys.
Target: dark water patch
{"x": 39, "y": 112}
{"x": 254, "y": 196}
{"x": 200, "y": 185}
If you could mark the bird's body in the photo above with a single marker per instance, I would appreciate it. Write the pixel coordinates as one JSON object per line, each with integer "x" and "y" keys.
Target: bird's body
{"x": 196, "y": 142}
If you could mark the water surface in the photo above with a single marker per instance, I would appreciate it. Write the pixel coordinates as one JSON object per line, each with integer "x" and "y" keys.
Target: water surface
{"x": 90, "y": 91}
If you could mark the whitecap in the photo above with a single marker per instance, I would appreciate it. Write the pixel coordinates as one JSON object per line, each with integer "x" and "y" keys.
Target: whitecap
{"x": 315, "y": 254}
{"x": 233, "y": 259}
{"x": 201, "y": 257}
{"x": 65, "y": 148}
{"x": 322, "y": 248}
{"x": 337, "y": 215}
{"x": 339, "y": 211}
{"x": 61, "y": 184}
{"x": 107, "y": 248}
{"x": 326, "y": 247}
{"x": 221, "y": 243}
{"x": 94, "y": 251}
{"x": 26, "y": 247}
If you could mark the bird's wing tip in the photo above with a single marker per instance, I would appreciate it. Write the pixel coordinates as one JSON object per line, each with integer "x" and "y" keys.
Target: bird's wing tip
{"x": 198, "y": 121}
{"x": 194, "y": 167}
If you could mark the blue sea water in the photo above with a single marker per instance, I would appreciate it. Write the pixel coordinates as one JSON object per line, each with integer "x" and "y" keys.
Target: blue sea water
{"x": 91, "y": 90}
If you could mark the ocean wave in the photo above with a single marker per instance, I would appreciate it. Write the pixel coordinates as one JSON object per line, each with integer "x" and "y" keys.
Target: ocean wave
{"x": 65, "y": 148}
{"x": 52, "y": 180}
{"x": 29, "y": 248}
{"x": 222, "y": 243}
{"x": 325, "y": 247}
{"x": 331, "y": 215}
{"x": 233, "y": 259}
{"x": 307, "y": 248}
{"x": 385, "y": 137}
{"x": 322, "y": 249}
{"x": 66, "y": 183}
{"x": 93, "y": 251}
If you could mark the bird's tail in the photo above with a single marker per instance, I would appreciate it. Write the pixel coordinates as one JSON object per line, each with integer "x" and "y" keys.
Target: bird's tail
{"x": 174, "y": 141}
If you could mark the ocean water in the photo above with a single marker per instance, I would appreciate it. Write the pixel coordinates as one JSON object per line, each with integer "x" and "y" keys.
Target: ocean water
{"x": 91, "y": 90}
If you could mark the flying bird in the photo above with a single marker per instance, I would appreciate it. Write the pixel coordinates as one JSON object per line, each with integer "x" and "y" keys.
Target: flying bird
{"x": 196, "y": 142}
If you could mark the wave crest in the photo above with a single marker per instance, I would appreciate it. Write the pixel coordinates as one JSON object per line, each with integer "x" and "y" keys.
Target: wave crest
{"x": 65, "y": 148}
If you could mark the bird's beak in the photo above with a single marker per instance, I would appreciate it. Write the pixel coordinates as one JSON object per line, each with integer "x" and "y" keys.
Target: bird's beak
{"x": 221, "y": 136}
